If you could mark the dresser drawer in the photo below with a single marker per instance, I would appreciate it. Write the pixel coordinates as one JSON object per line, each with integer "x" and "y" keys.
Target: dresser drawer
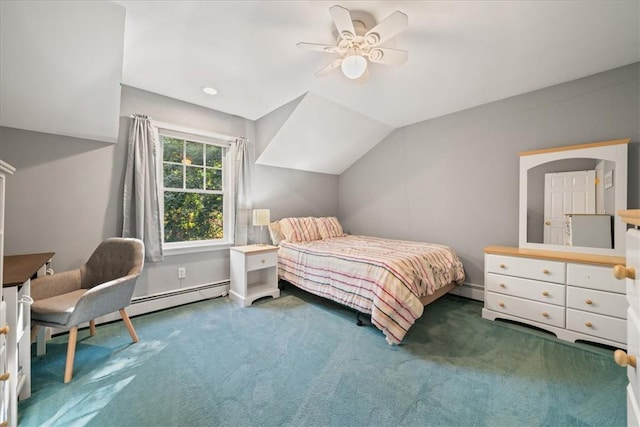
{"x": 551, "y": 293}
{"x": 593, "y": 277}
{"x": 606, "y": 327}
{"x": 261, "y": 260}
{"x": 536, "y": 311}
{"x": 538, "y": 269}
{"x": 604, "y": 303}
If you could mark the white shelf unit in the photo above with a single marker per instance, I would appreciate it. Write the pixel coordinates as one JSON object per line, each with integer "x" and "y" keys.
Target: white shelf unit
{"x": 254, "y": 273}
{"x": 629, "y": 276}
{"x": 6, "y": 414}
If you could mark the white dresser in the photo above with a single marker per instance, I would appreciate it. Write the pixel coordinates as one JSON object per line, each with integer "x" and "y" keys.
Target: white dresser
{"x": 572, "y": 295}
{"x": 631, "y": 275}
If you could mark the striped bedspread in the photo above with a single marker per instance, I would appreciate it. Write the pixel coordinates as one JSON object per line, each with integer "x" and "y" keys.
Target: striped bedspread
{"x": 381, "y": 277}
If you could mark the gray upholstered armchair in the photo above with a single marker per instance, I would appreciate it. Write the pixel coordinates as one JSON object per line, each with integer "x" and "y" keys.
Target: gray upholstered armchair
{"x": 103, "y": 285}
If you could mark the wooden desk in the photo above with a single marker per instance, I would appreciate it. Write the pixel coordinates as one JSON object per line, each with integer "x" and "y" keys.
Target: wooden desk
{"x": 16, "y": 292}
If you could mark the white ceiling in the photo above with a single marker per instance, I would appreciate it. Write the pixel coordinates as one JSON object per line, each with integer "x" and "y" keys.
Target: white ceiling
{"x": 461, "y": 54}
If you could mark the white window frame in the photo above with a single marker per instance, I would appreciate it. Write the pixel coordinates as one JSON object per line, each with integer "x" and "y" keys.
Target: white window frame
{"x": 228, "y": 187}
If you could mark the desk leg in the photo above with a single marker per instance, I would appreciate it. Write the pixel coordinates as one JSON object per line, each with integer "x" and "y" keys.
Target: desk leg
{"x": 41, "y": 341}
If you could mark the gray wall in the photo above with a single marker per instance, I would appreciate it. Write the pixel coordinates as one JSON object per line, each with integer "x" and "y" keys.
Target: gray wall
{"x": 66, "y": 195}
{"x": 454, "y": 179}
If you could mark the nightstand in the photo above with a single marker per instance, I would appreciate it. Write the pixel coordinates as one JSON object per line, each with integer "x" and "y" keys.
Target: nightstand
{"x": 254, "y": 273}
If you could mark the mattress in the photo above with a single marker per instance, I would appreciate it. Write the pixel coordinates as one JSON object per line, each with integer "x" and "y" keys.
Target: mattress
{"x": 381, "y": 277}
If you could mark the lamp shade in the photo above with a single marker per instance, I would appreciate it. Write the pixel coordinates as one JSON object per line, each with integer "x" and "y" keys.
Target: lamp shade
{"x": 354, "y": 66}
{"x": 261, "y": 217}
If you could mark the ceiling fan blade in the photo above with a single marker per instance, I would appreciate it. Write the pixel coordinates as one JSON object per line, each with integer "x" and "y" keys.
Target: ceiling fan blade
{"x": 344, "y": 24}
{"x": 326, "y": 70}
{"x": 319, "y": 47}
{"x": 389, "y": 27}
{"x": 388, "y": 56}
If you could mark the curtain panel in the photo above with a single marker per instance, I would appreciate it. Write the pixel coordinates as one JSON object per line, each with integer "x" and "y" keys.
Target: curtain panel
{"x": 243, "y": 202}
{"x": 141, "y": 210}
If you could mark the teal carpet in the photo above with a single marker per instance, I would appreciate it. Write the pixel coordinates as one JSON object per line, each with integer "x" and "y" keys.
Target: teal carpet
{"x": 301, "y": 361}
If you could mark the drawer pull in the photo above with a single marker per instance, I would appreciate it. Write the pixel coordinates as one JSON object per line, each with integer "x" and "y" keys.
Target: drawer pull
{"x": 588, "y": 324}
{"x": 545, "y": 314}
{"x": 503, "y": 286}
{"x": 4, "y": 330}
{"x": 623, "y": 359}
{"x": 263, "y": 261}
{"x": 502, "y": 266}
{"x": 545, "y": 271}
{"x": 545, "y": 293}
{"x": 621, "y": 272}
{"x": 501, "y": 304}
{"x": 4, "y": 376}
{"x": 588, "y": 301}
{"x": 547, "y": 223}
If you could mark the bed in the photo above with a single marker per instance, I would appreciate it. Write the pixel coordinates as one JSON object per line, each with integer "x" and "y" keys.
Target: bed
{"x": 391, "y": 280}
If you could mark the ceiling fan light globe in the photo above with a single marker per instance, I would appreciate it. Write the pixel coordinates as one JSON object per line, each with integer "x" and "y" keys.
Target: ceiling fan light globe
{"x": 354, "y": 66}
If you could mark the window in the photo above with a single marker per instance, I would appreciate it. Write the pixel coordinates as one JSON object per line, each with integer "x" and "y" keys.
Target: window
{"x": 197, "y": 192}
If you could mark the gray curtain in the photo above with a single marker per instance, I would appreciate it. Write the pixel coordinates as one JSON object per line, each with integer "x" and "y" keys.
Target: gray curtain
{"x": 243, "y": 203}
{"x": 141, "y": 213}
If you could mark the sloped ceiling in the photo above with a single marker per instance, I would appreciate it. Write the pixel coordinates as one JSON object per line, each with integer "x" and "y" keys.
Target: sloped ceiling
{"x": 322, "y": 136}
{"x": 61, "y": 67}
{"x": 61, "y": 62}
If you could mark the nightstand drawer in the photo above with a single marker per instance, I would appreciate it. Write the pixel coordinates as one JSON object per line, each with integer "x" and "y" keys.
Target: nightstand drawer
{"x": 536, "y": 311}
{"x": 538, "y": 269}
{"x": 597, "y": 325}
{"x": 604, "y": 303}
{"x": 261, "y": 260}
{"x": 531, "y": 289}
{"x": 593, "y": 277}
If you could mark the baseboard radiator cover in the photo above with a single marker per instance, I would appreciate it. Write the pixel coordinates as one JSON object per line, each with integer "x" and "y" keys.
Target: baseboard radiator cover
{"x": 470, "y": 290}
{"x": 162, "y": 300}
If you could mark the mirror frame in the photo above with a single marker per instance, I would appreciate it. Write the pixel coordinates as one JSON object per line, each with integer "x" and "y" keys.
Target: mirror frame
{"x": 615, "y": 151}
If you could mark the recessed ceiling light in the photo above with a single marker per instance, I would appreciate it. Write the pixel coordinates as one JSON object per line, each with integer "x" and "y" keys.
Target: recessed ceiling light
{"x": 209, "y": 90}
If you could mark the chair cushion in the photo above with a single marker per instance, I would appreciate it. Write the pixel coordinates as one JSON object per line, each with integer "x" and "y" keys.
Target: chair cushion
{"x": 56, "y": 309}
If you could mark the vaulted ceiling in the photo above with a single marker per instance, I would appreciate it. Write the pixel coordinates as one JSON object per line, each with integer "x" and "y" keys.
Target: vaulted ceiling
{"x": 461, "y": 54}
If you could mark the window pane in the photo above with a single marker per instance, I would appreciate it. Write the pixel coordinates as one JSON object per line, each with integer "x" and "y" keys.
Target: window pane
{"x": 194, "y": 153}
{"x": 214, "y": 179}
{"x": 192, "y": 216}
{"x": 172, "y": 149}
{"x": 172, "y": 176}
{"x": 194, "y": 177}
{"x": 214, "y": 156}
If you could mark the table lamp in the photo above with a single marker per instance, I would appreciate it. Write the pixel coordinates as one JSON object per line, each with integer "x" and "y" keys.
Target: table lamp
{"x": 261, "y": 217}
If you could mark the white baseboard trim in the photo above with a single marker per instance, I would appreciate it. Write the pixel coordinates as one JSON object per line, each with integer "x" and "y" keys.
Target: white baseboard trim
{"x": 162, "y": 300}
{"x": 470, "y": 290}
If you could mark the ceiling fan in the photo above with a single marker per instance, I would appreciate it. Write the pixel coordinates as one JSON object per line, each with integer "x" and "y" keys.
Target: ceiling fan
{"x": 357, "y": 46}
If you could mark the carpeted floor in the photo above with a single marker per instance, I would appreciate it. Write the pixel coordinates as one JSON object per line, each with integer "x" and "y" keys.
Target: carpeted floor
{"x": 301, "y": 361}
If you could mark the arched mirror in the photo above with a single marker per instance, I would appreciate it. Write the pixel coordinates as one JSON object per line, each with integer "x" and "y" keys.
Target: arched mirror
{"x": 569, "y": 197}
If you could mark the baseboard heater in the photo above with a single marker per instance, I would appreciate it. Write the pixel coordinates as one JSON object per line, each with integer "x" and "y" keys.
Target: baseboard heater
{"x": 169, "y": 294}
{"x": 162, "y": 300}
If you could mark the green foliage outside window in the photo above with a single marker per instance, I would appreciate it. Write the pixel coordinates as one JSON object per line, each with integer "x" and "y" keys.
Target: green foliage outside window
{"x": 193, "y": 199}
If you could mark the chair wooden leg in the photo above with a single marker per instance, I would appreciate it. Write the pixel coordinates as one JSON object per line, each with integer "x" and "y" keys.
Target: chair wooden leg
{"x": 129, "y": 325}
{"x": 92, "y": 327}
{"x": 71, "y": 353}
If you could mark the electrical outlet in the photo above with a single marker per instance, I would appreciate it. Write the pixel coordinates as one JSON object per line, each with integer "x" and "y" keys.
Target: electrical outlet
{"x": 182, "y": 272}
